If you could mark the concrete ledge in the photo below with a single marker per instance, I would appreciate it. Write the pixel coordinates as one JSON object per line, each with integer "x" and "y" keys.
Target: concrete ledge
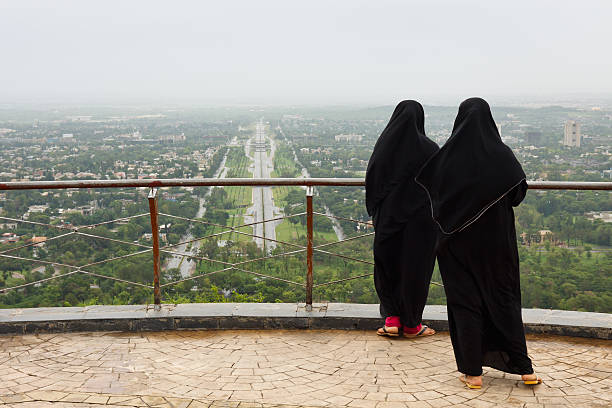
{"x": 268, "y": 316}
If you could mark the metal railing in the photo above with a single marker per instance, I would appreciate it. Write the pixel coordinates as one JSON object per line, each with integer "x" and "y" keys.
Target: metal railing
{"x": 154, "y": 184}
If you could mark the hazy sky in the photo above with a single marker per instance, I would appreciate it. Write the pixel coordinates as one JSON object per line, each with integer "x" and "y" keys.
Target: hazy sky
{"x": 301, "y": 52}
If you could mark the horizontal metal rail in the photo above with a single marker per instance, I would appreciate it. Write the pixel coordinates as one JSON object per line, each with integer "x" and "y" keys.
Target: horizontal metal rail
{"x": 309, "y": 249}
{"x": 192, "y": 182}
{"x": 260, "y": 182}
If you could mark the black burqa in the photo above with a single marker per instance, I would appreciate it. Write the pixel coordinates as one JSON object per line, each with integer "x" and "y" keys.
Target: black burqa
{"x": 473, "y": 183}
{"x": 404, "y": 244}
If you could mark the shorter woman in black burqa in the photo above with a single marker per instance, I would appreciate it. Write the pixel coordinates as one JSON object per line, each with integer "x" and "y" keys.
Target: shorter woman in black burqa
{"x": 405, "y": 239}
{"x": 473, "y": 182}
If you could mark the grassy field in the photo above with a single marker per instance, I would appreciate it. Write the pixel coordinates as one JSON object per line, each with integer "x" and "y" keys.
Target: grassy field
{"x": 284, "y": 166}
{"x": 289, "y": 232}
{"x": 239, "y": 196}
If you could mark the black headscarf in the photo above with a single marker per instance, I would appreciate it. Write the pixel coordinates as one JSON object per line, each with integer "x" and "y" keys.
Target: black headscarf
{"x": 399, "y": 153}
{"x": 472, "y": 171}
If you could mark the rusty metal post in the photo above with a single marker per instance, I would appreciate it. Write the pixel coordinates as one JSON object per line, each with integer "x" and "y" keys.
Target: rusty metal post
{"x": 155, "y": 232}
{"x": 309, "y": 238}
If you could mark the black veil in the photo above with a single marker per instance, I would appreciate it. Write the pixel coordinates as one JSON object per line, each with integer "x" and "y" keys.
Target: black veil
{"x": 472, "y": 171}
{"x": 399, "y": 153}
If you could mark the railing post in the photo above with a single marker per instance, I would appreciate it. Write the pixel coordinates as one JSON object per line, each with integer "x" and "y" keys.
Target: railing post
{"x": 309, "y": 237}
{"x": 155, "y": 232}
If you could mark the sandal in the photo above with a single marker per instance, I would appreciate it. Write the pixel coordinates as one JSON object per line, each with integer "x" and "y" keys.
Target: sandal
{"x": 471, "y": 386}
{"x": 535, "y": 381}
{"x": 421, "y": 333}
{"x": 391, "y": 322}
{"x": 384, "y": 332}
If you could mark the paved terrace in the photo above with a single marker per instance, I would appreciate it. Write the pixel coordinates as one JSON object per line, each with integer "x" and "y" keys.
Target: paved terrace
{"x": 255, "y": 368}
{"x": 279, "y": 366}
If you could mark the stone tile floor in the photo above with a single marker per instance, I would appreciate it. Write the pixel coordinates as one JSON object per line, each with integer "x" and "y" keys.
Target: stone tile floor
{"x": 257, "y": 368}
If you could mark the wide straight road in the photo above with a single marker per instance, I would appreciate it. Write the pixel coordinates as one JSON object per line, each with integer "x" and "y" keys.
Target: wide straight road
{"x": 263, "y": 201}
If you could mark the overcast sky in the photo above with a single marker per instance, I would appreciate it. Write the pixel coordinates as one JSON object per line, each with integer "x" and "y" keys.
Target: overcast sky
{"x": 301, "y": 52}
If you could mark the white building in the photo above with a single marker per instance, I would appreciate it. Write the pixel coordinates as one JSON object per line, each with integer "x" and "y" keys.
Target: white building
{"x": 38, "y": 208}
{"x": 571, "y": 136}
{"x": 68, "y": 138}
{"x": 348, "y": 138}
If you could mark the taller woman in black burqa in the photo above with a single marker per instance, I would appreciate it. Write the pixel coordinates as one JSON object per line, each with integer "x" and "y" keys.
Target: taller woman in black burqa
{"x": 404, "y": 243}
{"x": 473, "y": 182}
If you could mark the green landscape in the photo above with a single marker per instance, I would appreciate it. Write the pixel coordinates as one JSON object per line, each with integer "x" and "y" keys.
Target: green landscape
{"x": 565, "y": 237}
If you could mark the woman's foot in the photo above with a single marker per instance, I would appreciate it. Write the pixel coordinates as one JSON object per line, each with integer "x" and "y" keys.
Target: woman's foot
{"x": 471, "y": 381}
{"x": 392, "y": 327}
{"x": 389, "y": 331}
{"x": 531, "y": 379}
{"x": 420, "y": 331}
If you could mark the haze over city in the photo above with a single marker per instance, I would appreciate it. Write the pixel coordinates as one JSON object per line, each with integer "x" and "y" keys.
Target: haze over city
{"x": 315, "y": 53}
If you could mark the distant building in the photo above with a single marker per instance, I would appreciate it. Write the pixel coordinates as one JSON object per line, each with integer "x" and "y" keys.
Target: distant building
{"x": 539, "y": 238}
{"x": 36, "y": 209}
{"x": 172, "y": 138}
{"x": 86, "y": 210}
{"x": 533, "y": 137}
{"x": 9, "y": 237}
{"x": 292, "y": 117}
{"x": 38, "y": 240}
{"x": 571, "y": 136}
{"x": 68, "y": 138}
{"x": 348, "y": 138}
{"x": 605, "y": 216}
{"x": 546, "y": 235}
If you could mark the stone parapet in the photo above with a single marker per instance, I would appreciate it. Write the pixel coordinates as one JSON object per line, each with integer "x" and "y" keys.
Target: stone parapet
{"x": 268, "y": 316}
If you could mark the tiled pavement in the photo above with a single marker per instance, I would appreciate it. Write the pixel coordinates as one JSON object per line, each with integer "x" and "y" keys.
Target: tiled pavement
{"x": 259, "y": 368}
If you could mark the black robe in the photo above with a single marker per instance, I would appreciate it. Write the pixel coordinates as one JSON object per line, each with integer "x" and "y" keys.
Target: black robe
{"x": 404, "y": 244}
{"x": 473, "y": 183}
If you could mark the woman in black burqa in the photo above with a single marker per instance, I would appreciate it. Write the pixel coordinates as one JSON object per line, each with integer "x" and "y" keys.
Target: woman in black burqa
{"x": 405, "y": 239}
{"x": 473, "y": 182}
